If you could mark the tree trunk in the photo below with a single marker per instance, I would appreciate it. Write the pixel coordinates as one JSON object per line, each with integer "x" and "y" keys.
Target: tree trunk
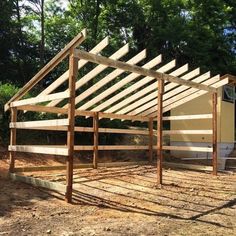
{"x": 42, "y": 43}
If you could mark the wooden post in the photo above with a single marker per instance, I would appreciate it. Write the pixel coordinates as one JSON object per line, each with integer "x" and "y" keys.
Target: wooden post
{"x": 159, "y": 131}
{"x": 95, "y": 145}
{"x": 73, "y": 70}
{"x": 12, "y": 139}
{"x": 150, "y": 127}
{"x": 214, "y": 132}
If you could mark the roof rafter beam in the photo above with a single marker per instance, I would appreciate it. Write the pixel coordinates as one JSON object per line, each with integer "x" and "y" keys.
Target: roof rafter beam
{"x": 139, "y": 70}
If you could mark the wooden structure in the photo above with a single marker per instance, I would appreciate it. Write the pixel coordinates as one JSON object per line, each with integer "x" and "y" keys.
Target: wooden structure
{"x": 143, "y": 94}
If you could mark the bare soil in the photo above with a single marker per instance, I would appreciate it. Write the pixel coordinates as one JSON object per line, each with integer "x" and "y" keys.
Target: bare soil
{"x": 120, "y": 201}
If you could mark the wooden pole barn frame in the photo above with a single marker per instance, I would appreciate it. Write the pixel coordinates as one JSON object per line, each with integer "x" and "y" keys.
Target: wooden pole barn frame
{"x": 150, "y": 93}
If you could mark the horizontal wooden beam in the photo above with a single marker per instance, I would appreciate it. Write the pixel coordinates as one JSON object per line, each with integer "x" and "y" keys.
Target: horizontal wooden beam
{"x": 48, "y": 67}
{"x": 170, "y": 132}
{"x": 110, "y": 147}
{"x": 39, "y": 123}
{"x": 188, "y": 117}
{"x": 43, "y": 149}
{"x": 44, "y": 98}
{"x": 38, "y": 182}
{"x": 186, "y": 148}
{"x": 139, "y": 70}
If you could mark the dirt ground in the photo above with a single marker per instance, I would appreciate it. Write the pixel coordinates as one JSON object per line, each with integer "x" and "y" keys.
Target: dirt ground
{"x": 121, "y": 201}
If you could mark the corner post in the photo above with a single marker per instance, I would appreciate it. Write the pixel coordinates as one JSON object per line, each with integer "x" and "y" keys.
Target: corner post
{"x": 95, "y": 137}
{"x": 159, "y": 130}
{"x": 12, "y": 139}
{"x": 73, "y": 70}
{"x": 150, "y": 127}
{"x": 214, "y": 132}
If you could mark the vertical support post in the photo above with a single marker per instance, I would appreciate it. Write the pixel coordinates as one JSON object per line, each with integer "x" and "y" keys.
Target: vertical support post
{"x": 214, "y": 132}
{"x": 73, "y": 70}
{"x": 12, "y": 139}
{"x": 150, "y": 127}
{"x": 159, "y": 130}
{"x": 95, "y": 137}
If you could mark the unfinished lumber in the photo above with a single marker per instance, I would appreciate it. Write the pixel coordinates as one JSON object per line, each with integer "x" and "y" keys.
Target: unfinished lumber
{"x": 46, "y": 98}
{"x": 39, "y": 182}
{"x": 43, "y": 149}
{"x": 188, "y": 117}
{"x": 170, "y": 132}
{"x": 214, "y": 131}
{"x": 94, "y": 72}
{"x": 12, "y": 139}
{"x": 39, "y": 124}
{"x": 98, "y": 48}
{"x": 95, "y": 139}
{"x": 73, "y": 70}
{"x": 188, "y": 148}
{"x": 160, "y": 131}
{"x": 136, "y": 69}
{"x": 48, "y": 67}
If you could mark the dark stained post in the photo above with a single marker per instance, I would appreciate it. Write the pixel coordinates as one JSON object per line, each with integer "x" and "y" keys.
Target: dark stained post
{"x": 73, "y": 69}
{"x": 95, "y": 136}
{"x": 159, "y": 130}
{"x": 214, "y": 133}
{"x": 12, "y": 139}
{"x": 150, "y": 127}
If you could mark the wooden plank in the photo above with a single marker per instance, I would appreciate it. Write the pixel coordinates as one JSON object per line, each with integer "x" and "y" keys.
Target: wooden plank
{"x": 39, "y": 123}
{"x": 150, "y": 128}
{"x": 39, "y": 182}
{"x": 121, "y": 83}
{"x": 159, "y": 131}
{"x": 136, "y": 69}
{"x": 62, "y": 151}
{"x": 12, "y": 139}
{"x": 130, "y": 89}
{"x": 122, "y": 117}
{"x": 111, "y": 76}
{"x": 188, "y": 117}
{"x": 187, "y": 148}
{"x": 170, "y": 132}
{"x": 48, "y": 67}
{"x": 94, "y": 72}
{"x": 214, "y": 130}
{"x": 45, "y": 98}
{"x": 150, "y": 100}
{"x": 73, "y": 70}
{"x": 188, "y": 166}
{"x": 98, "y": 48}
{"x": 95, "y": 138}
{"x": 110, "y": 147}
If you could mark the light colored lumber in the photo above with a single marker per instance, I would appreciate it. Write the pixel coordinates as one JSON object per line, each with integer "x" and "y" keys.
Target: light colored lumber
{"x": 214, "y": 136}
{"x": 136, "y": 69}
{"x": 169, "y": 132}
{"x": 39, "y": 182}
{"x": 98, "y": 48}
{"x": 131, "y": 89}
{"x": 110, "y": 147}
{"x": 187, "y": 148}
{"x": 45, "y": 98}
{"x": 63, "y": 151}
{"x": 188, "y": 166}
{"x": 108, "y": 78}
{"x": 12, "y": 139}
{"x": 94, "y": 72}
{"x": 39, "y": 123}
{"x": 48, "y": 67}
{"x": 136, "y": 96}
{"x": 95, "y": 139}
{"x": 189, "y": 117}
{"x": 83, "y": 148}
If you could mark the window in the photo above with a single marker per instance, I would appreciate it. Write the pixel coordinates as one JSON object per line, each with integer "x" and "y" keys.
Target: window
{"x": 229, "y": 94}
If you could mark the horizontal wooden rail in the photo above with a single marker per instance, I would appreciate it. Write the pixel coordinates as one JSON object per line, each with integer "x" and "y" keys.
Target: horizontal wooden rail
{"x": 188, "y": 117}
{"x": 169, "y": 132}
{"x": 54, "y": 150}
{"x": 185, "y": 148}
{"x": 59, "y": 110}
{"x": 48, "y": 67}
{"x": 45, "y": 98}
{"x": 111, "y": 147}
{"x": 39, "y": 124}
{"x": 139, "y": 70}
